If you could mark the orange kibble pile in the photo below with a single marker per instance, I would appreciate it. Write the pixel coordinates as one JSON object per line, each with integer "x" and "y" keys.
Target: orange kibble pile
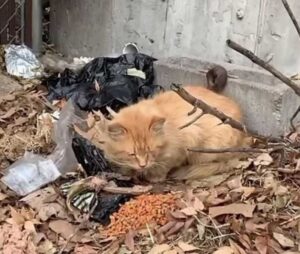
{"x": 136, "y": 213}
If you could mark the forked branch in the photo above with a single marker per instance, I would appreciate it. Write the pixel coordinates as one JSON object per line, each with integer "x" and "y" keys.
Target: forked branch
{"x": 207, "y": 109}
{"x": 255, "y": 59}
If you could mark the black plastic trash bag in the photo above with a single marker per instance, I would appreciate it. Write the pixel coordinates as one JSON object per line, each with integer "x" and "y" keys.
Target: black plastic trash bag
{"x": 107, "y": 205}
{"x": 105, "y": 81}
{"x": 89, "y": 156}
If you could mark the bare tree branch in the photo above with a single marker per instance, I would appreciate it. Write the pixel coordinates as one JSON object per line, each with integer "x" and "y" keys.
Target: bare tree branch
{"x": 206, "y": 109}
{"x": 293, "y": 118}
{"x": 247, "y": 53}
{"x": 235, "y": 150}
{"x": 293, "y": 18}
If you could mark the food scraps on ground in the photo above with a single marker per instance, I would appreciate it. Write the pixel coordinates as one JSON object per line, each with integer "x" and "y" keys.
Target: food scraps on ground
{"x": 137, "y": 213}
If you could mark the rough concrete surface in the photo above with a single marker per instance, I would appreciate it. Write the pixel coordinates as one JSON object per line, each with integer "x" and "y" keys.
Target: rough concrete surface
{"x": 186, "y": 28}
{"x": 267, "y": 103}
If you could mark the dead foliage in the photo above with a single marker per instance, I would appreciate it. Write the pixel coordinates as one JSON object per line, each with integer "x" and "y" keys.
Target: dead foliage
{"x": 23, "y": 126}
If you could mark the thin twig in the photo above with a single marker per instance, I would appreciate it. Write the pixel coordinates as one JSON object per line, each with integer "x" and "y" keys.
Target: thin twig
{"x": 235, "y": 150}
{"x": 206, "y": 109}
{"x": 221, "y": 236}
{"x": 293, "y": 118}
{"x": 255, "y": 59}
{"x": 150, "y": 234}
{"x": 290, "y": 220}
{"x": 288, "y": 170}
{"x": 192, "y": 121}
{"x": 292, "y": 16}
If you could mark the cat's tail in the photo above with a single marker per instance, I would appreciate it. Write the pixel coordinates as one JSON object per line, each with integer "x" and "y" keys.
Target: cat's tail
{"x": 216, "y": 78}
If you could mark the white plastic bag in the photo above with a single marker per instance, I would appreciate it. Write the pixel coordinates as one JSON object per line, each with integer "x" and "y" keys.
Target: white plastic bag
{"x": 21, "y": 62}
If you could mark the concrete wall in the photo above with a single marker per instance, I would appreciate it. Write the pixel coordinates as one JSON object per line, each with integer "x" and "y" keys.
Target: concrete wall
{"x": 187, "y": 28}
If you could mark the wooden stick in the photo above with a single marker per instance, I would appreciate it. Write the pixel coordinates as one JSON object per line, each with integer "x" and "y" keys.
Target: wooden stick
{"x": 247, "y": 53}
{"x": 293, "y": 118}
{"x": 235, "y": 150}
{"x": 206, "y": 109}
{"x": 293, "y": 18}
{"x": 192, "y": 121}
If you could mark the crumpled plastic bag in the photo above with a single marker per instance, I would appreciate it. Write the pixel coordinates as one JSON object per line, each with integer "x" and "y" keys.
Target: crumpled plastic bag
{"x": 89, "y": 156}
{"x": 21, "y": 62}
{"x": 105, "y": 81}
{"x": 34, "y": 171}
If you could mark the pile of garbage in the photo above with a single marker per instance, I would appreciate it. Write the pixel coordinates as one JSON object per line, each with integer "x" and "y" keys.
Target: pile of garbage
{"x": 102, "y": 82}
{"x": 59, "y": 194}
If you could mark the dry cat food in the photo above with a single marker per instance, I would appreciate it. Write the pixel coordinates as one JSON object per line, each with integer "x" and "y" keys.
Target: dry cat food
{"x": 138, "y": 212}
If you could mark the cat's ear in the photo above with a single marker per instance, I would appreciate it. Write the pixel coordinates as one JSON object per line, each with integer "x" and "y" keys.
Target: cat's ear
{"x": 101, "y": 121}
{"x": 116, "y": 130}
{"x": 157, "y": 124}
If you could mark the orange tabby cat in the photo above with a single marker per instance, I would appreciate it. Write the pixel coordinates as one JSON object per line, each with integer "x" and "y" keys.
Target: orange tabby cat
{"x": 145, "y": 139}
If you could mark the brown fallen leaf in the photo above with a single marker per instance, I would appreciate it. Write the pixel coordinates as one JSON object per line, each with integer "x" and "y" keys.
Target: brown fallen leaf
{"x": 244, "y": 209}
{"x": 3, "y": 196}
{"x": 16, "y": 217}
{"x": 236, "y": 248}
{"x": 252, "y": 227}
{"x": 176, "y": 228}
{"x": 235, "y": 183}
{"x": 37, "y": 199}
{"x": 55, "y": 210}
{"x": 129, "y": 240}
{"x": 47, "y": 247}
{"x": 186, "y": 247}
{"x": 159, "y": 249}
{"x": 8, "y": 114}
{"x": 189, "y": 211}
{"x": 178, "y": 215}
{"x": 263, "y": 159}
{"x": 198, "y": 204}
{"x": 247, "y": 191}
{"x": 40, "y": 201}
{"x": 224, "y": 250}
{"x": 65, "y": 229}
{"x": 245, "y": 241}
{"x": 86, "y": 249}
{"x": 261, "y": 244}
{"x": 171, "y": 252}
{"x": 188, "y": 223}
{"x": 167, "y": 227}
{"x": 113, "y": 248}
{"x": 283, "y": 240}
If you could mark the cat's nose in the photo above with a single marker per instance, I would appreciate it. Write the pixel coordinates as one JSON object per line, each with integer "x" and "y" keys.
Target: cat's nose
{"x": 142, "y": 162}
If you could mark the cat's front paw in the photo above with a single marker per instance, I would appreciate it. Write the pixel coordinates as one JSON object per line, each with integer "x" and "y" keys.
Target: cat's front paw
{"x": 155, "y": 179}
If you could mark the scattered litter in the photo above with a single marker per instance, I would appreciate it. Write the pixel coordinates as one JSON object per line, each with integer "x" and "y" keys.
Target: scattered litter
{"x": 30, "y": 173}
{"x": 113, "y": 82}
{"x": 33, "y": 171}
{"x": 21, "y": 62}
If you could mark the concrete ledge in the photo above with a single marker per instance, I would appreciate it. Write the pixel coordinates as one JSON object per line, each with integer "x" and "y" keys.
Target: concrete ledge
{"x": 268, "y": 104}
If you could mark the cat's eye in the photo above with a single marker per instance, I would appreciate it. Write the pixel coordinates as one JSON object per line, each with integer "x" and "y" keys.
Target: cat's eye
{"x": 132, "y": 154}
